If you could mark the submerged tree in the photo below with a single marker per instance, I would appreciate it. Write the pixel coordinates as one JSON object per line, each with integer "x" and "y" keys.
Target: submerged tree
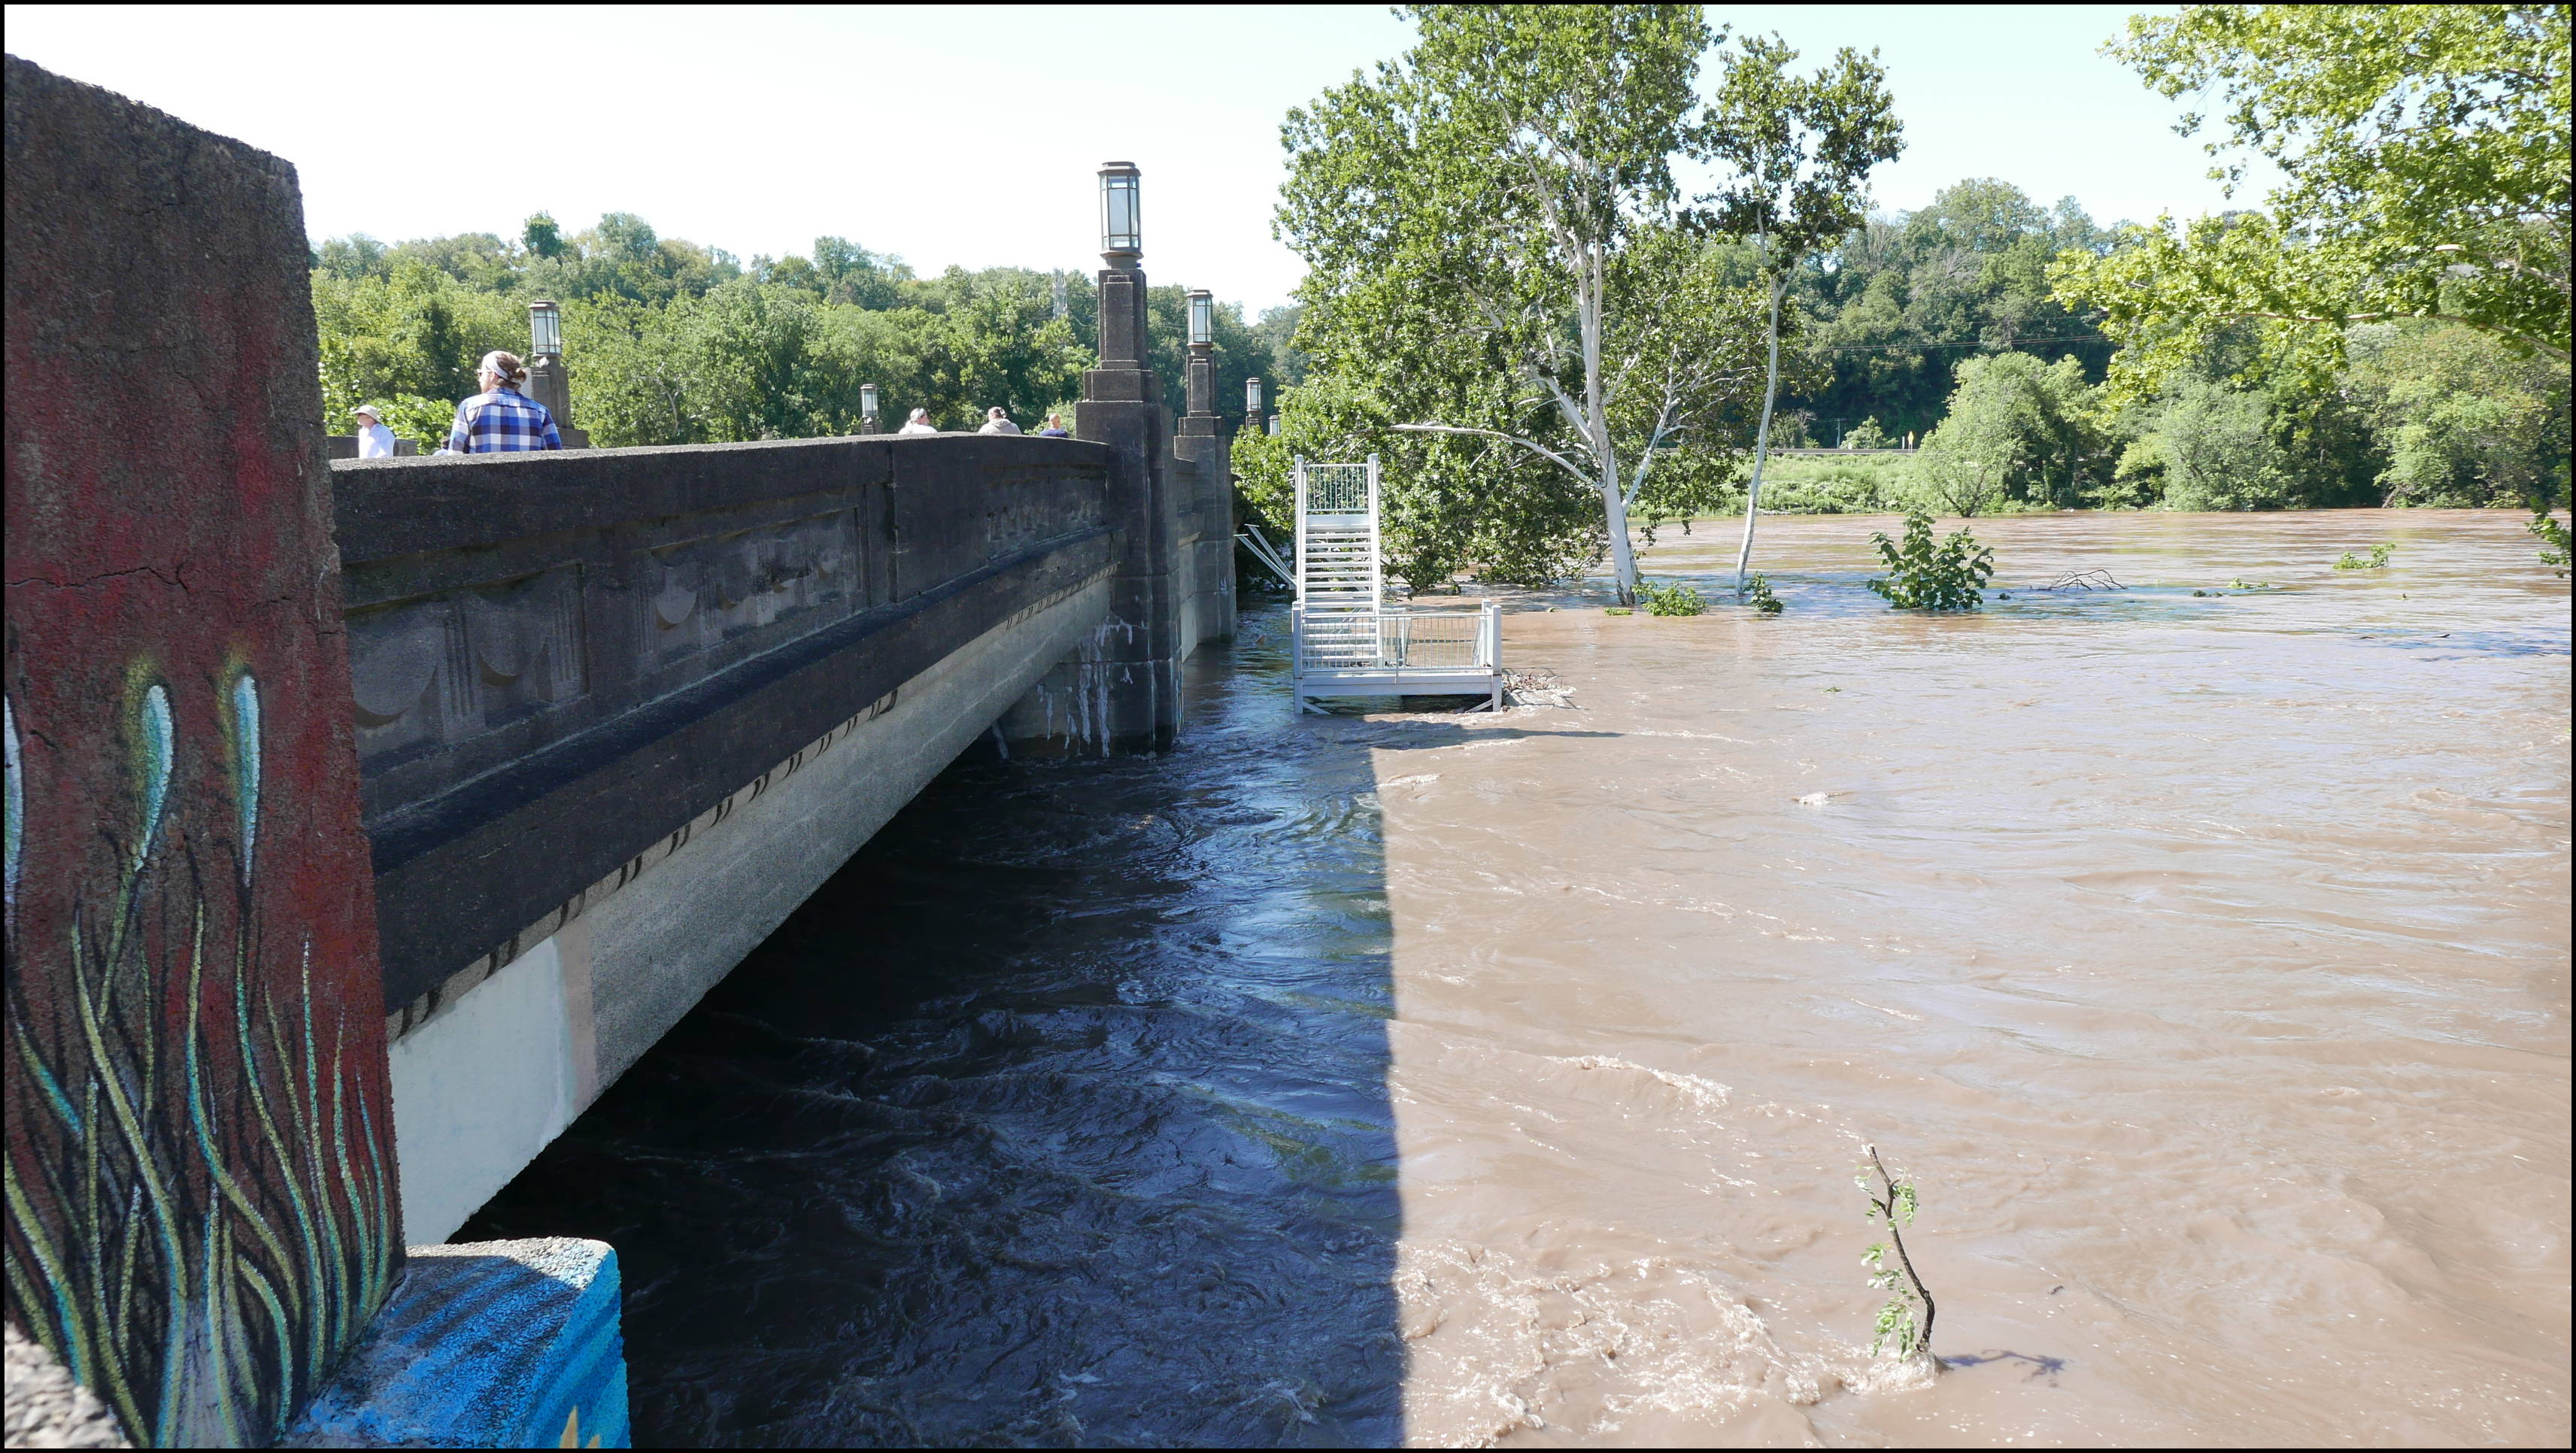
{"x": 1800, "y": 148}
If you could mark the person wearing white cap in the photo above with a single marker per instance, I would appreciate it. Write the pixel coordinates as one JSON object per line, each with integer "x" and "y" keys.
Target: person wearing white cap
{"x": 375, "y": 441}
{"x": 919, "y": 423}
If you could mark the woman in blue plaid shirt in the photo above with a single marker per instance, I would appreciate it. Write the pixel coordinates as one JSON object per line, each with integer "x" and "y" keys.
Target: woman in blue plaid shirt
{"x": 501, "y": 420}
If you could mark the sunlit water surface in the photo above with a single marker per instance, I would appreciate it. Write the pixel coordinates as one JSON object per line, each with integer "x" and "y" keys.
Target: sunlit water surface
{"x": 1458, "y": 1079}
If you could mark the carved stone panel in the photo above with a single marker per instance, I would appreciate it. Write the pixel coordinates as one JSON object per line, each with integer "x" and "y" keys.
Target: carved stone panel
{"x": 701, "y": 593}
{"x": 437, "y": 670}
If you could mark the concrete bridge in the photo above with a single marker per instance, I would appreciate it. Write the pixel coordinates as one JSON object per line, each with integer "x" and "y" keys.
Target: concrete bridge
{"x": 618, "y": 712}
{"x": 366, "y": 819}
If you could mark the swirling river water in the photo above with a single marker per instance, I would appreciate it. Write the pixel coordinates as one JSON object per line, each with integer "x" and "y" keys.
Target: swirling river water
{"x": 1461, "y": 1079}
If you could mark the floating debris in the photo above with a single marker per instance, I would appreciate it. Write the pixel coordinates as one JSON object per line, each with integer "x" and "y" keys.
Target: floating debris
{"x": 1535, "y": 686}
{"x": 2085, "y": 580}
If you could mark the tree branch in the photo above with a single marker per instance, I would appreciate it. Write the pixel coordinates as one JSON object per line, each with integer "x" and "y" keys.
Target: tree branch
{"x": 1530, "y": 444}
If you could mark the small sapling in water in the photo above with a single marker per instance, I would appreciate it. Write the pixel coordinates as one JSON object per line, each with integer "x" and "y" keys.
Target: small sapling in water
{"x": 1892, "y": 1201}
{"x": 1675, "y": 599}
{"x": 1924, "y": 576}
{"x": 1758, "y": 592}
{"x": 2378, "y": 559}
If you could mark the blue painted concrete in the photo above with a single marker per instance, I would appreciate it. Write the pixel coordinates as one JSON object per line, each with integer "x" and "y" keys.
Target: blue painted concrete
{"x": 492, "y": 1344}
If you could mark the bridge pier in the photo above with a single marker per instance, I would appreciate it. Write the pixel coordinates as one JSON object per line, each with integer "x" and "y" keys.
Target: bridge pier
{"x": 1171, "y": 503}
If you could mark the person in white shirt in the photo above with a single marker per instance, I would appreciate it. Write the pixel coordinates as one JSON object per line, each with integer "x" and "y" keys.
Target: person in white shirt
{"x": 919, "y": 423}
{"x": 997, "y": 422}
{"x": 375, "y": 441}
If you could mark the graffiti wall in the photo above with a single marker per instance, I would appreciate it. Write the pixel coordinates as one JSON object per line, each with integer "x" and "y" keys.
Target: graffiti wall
{"x": 200, "y": 1175}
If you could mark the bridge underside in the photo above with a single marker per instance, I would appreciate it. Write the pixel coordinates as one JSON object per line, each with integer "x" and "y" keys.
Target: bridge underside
{"x": 483, "y": 1081}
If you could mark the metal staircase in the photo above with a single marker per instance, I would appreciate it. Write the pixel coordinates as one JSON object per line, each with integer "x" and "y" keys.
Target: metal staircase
{"x": 1345, "y": 639}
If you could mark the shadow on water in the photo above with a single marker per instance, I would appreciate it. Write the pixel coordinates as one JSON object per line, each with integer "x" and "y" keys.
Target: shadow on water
{"x": 1059, "y": 1115}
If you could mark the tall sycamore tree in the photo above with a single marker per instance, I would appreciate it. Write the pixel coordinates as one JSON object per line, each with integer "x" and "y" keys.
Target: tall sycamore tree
{"x": 1798, "y": 151}
{"x": 1501, "y": 201}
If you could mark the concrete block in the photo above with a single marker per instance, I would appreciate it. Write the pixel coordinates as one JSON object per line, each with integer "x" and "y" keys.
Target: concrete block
{"x": 490, "y": 1081}
{"x": 487, "y": 1344}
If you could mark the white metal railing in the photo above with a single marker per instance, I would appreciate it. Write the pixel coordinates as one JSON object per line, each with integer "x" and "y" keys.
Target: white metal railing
{"x": 1341, "y": 489}
{"x": 1419, "y": 639}
{"x": 1395, "y": 652}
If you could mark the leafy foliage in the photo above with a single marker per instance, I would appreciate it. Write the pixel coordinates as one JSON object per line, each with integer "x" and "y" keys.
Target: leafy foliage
{"x": 2458, "y": 419}
{"x": 668, "y": 342}
{"x": 1757, "y": 593}
{"x": 1899, "y": 302}
{"x": 2378, "y": 559}
{"x": 2019, "y": 429}
{"x": 1675, "y": 599}
{"x": 2218, "y": 451}
{"x": 1924, "y": 576}
{"x": 2553, "y": 538}
{"x": 1799, "y": 149}
{"x": 1892, "y": 1203}
{"x": 1495, "y": 256}
{"x": 2425, "y": 153}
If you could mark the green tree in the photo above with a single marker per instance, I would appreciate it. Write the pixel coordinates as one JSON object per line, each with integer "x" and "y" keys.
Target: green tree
{"x": 2425, "y": 155}
{"x": 1451, "y": 500}
{"x": 2461, "y": 421}
{"x": 2219, "y": 450}
{"x": 1800, "y": 148}
{"x": 1276, "y": 332}
{"x": 541, "y": 235}
{"x": 1490, "y": 225}
{"x": 2017, "y": 430}
{"x": 1899, "y": 302}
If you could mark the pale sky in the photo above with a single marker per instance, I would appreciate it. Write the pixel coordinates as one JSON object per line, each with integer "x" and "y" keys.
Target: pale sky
{"x": 970, "y": 135}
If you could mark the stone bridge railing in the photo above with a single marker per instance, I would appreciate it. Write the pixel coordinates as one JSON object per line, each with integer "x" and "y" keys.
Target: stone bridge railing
{"x": 560, "y": 659}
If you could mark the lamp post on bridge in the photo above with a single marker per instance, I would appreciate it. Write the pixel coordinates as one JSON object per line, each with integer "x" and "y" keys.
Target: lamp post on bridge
{"x": 1251, "y": 406}
{"x": 1202, "y": 379}
{"x": 868, "y": 415}
{"x": 1122, "y": 407}
{"x": 548, "y": 384}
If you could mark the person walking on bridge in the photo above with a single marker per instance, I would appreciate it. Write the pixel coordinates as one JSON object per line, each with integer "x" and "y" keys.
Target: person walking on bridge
{"x": 996, "y": 421}
{"x": 919, "y": 423}
{"x": 500, "y": 419}
{"x": 1054, "y": 428}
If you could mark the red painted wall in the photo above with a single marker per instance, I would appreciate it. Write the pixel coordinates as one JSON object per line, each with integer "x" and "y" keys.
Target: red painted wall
{"x": 198, "y": 1113}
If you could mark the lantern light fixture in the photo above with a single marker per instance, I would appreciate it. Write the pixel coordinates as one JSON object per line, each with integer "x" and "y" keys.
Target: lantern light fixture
{"x": 1252, "y": 398}
{"x": 1121, "y": 225}
{"x": 868, "y": 408}
{"x": 1202, "y": 318}
{"x": 1274, "y": 423}
{"x": 545, "y": 329}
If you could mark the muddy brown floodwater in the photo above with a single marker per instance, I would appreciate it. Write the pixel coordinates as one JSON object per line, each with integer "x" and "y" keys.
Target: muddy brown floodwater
{"x": 2205, "y": 958}
{"x": 1461, "y": 1079}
